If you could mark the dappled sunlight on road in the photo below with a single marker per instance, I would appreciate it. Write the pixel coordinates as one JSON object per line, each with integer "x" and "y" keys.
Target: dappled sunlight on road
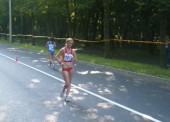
{"x": 104, "y": 105}
{"x": 135, "y": 117}
{"x": 35, "y": 80}
{"x": 44, "y": 60}
{"x": 78, "y": 109}
{"x": 59, "y": 109}
{"x": 86, "y": 85}
{"x": 145, "y": 117}
{"x": 107, "y": 118}
{"x": 108, "y": 75}
{"x": 123, "y": 89}
{"x": 78, "y": 98}
{"x": 94, "y": 72}
{"x": 35, "y": 61}
{"x": 91, "y": 114}
{"x": 14, "y": 49}
{"x": 41, "y": 51}
{"x": 24, "y": 57}
{"x": 33, "y": 83}
{"x": 52, "y": 118}
{"x": 76, "y": 95}
{"x": 53, "y": 103}
{"x": 3, "y": 116}
{"x": 101, "y": 82}
{"x": 104, "y": 91}
{"x": 83, "y": 72}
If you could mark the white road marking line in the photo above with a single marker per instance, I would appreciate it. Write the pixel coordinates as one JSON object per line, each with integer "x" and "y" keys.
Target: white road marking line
{"x": 96, "y": 95}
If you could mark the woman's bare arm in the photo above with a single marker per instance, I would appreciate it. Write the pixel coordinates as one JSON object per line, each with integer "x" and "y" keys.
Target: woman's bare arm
{"x": 58, "y": 55}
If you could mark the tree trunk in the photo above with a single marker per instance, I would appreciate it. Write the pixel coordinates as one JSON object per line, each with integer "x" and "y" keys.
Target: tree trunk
{"x": 108, "y": 52}
{"x": 68, "y": 18}
{"x": 163, "y": 25}
{"x": 33, "y": 28}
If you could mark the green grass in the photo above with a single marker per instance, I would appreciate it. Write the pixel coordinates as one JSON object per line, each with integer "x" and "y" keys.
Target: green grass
{"x": 149, "y": 69}
{"x": 127, "y": 65}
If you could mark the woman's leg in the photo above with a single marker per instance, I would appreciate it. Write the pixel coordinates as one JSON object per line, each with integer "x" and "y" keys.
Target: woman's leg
{"x": 67, "y": 75}
{"x": 51, "y": 58}
{"x": 70, "y": 73}
{"x": 67, "y": 82}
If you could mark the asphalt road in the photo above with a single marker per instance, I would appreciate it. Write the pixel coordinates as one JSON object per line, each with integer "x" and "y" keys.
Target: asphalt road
{"x": 29, "y": 92}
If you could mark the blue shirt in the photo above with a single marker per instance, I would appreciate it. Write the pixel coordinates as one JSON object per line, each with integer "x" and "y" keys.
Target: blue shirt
{"x": 51, "y": 45}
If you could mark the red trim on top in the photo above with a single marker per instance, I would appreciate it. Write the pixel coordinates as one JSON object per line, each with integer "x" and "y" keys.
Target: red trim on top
{"x": 65, "y": 50}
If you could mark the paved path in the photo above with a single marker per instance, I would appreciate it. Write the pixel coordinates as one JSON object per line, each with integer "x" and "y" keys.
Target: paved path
{"x": 29, "y": 92}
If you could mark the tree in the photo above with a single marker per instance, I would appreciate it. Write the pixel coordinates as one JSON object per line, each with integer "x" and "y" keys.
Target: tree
{"x": 164, "y": 10}
{"x": 4, "y": 18}
{"x": 108, "y": 52}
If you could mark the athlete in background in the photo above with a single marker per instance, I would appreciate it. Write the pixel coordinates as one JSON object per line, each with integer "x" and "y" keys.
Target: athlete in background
{"x": 51, "y": 47}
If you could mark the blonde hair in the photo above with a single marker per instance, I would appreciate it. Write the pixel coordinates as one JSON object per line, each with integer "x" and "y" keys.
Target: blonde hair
{"x": 68, "y": 40}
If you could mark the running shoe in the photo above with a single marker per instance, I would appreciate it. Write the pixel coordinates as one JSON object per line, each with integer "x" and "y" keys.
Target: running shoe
{"x": 67, "y": 100}
{"x": 53, "y": 66}
{"x": 49, "y": 65}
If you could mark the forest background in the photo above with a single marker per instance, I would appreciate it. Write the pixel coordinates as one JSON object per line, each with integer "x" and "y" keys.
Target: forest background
{"x": 132, "y": 29}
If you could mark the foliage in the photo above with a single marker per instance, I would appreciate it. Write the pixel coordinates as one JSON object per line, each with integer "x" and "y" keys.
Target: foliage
{"x": 85, "y": 19}
{"x": 163, "y": 5}
{"x": 131, "y": 19}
